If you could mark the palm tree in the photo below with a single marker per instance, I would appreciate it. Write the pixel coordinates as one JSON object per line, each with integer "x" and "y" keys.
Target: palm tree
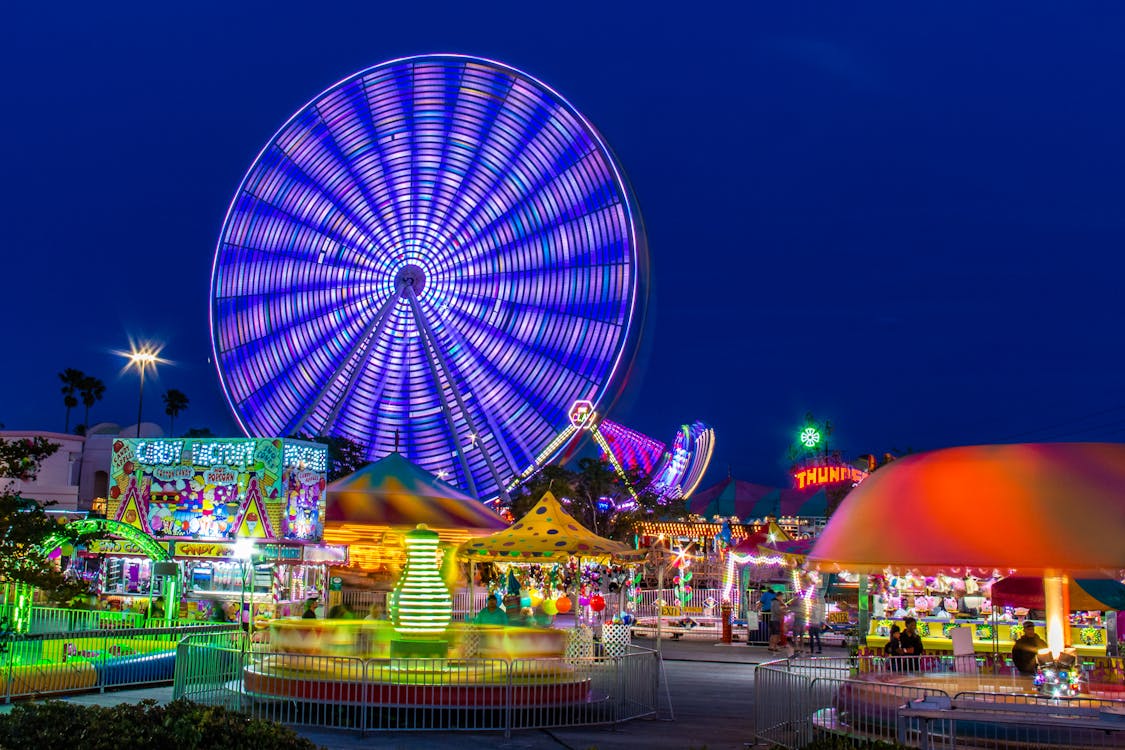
{"x": 91, "y": 389}
{"x": 174, "y": 403}
{"x": 72, "y": 381}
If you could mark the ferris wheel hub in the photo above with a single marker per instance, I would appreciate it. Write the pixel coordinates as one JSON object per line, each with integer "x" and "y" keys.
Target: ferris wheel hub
{"x": 411, "y": 276}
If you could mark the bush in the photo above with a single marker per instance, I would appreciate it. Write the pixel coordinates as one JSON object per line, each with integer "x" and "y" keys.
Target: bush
{"x": 180, "y": 725}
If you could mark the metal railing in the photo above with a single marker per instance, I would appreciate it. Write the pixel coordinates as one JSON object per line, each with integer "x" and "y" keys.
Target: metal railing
{"x": 1009, "y": 724}
{"x": 365, "y": 695}
{"x": 37, "y": 664}
{"x": 62, "y": 620}
{"x": 866, "y": 698}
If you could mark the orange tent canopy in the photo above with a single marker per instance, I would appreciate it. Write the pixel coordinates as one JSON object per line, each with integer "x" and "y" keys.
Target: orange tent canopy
{"x": 1029, "y": 508}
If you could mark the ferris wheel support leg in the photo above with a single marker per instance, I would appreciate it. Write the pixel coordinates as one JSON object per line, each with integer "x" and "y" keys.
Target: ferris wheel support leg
{"x": 429, "y": 334}
{"x": 374, "y": 330}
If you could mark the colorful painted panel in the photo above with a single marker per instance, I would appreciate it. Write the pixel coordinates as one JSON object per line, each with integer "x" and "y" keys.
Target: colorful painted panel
{"x": 212, "y": 489}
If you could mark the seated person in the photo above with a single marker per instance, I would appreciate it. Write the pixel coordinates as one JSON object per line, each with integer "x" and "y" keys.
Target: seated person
{"x": 894, "y": 645}
{"x": 1026, "y": 649}
{"x": 491, "y": 614}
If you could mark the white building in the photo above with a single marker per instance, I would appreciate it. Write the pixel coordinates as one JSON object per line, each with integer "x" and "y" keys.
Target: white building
{"x": 78, "y": 471}
{"x": 57, "y": 481}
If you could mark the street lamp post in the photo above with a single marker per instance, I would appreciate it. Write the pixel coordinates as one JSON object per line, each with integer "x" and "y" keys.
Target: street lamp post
{"x": 244, "y": 553}
{"x": 142, "y": 359}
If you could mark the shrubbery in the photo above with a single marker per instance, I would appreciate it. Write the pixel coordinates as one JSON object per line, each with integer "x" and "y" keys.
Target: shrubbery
{"x": 180, "y": 725}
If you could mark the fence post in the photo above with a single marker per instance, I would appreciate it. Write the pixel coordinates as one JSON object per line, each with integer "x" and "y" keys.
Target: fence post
{"x": 11, "y": 663}
{"x": 508, "y": 701}
{"x": 102, "y": 655}
{"x": 182, "y": 668}
{"x": 365, "y": 702}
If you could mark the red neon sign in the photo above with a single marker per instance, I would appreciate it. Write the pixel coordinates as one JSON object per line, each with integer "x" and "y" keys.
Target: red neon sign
{"x": 816, "y": 476}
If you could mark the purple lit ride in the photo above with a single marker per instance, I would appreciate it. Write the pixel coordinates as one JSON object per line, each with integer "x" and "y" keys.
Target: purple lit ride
{"x": 437, "y": 255}
{"x": 671, "y": 472}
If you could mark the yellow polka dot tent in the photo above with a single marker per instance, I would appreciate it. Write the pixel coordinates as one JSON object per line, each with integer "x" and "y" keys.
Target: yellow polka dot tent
{"x": 546, "y": 534}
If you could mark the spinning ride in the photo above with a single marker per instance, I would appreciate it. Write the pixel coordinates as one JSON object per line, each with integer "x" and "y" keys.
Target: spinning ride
{"x": 437, "y": 255}
{"x": 669, "y": 471}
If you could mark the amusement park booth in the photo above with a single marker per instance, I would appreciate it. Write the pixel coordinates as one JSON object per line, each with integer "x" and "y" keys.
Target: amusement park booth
{"x": 241, "y": 517}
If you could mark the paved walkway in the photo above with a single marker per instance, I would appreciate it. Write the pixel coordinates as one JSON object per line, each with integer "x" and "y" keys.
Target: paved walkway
{"x": 711, "y": 687}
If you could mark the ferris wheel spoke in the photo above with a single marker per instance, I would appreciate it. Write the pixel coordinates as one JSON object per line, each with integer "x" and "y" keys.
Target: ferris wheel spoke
{"x": 355, "y": 139}
{"x": 276, "y": 200}
{"x": 433, "y": 347}
{"x": 440, "y": 384}
{"x": 352, "y": 364}
{"x": 573, "y": 333}
{"x": 482, "y": 181}
{"x": 385, "y": 163}
{"x": 554, "y": 187}
{"x": 595, "y": 239}
{"x": 455, "y": 351}
{"x": 533, "y": 376}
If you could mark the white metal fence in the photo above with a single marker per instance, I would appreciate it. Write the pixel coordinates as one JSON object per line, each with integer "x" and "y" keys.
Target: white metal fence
{"x": 61, "y": 620}
{"x": 37, "y": 664}
{"x": 863, "y": 699}
{"x": 339, "y": 692}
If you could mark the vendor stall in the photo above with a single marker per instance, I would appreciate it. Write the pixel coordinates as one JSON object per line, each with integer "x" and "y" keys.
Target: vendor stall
{"x": 202, "y": 498}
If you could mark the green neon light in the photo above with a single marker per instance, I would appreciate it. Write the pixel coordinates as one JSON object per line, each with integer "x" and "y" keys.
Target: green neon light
{"x": 148, "y": 545}
{"x": 424, "y": 605}
{"x": 810, "y": 436}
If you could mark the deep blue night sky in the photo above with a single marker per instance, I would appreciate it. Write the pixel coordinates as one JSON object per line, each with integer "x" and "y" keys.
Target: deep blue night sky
{"x": 907, "y": 220}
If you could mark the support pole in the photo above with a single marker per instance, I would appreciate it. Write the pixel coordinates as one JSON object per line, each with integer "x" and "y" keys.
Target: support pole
{"x": 1056, "y": 595}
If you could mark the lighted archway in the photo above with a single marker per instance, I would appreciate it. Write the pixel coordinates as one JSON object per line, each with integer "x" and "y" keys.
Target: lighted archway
{"x": 153, "y": 549}
{"x": 149, "y": 546}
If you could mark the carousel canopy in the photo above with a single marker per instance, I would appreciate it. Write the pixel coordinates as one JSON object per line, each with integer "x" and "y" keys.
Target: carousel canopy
{"x": 395, "y": 492}
{"x": 1029, "y": 508}
{"x": 732, "y": 497}
{"x": 547, "y": 533}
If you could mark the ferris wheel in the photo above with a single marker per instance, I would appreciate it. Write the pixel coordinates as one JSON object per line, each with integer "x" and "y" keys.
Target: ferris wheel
{"x": 436, "y": 256}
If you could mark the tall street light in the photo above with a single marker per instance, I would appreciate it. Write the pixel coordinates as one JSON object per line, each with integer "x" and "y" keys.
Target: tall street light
{"x": 142, "y": 359}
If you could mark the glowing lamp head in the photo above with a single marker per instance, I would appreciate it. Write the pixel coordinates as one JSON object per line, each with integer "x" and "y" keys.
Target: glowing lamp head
{"x": 244, "y": 549}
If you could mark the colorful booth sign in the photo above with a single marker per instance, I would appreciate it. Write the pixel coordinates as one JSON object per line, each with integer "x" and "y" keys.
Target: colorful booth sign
{"x": 220, "y": 489}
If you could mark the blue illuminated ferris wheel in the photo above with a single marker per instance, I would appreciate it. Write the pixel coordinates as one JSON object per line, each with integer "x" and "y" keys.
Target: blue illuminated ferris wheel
{"x": 437, "y": 255}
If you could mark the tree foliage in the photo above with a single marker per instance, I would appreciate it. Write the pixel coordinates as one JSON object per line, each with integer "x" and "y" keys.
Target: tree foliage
{"x": 91, "y": 390}
{"x": 24, "y": 524}
{"x": 71, "y": 382}
{"x": 345, "y": 456}
{"x": 175, "y": 401}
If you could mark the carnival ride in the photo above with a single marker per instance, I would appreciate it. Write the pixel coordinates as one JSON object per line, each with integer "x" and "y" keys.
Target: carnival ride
{"x": 669, "y": 471}
{"x": 437, "y": 255}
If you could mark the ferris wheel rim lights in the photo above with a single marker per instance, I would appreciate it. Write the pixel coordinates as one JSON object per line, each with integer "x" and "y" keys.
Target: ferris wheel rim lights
{"x": 329, "y": 257}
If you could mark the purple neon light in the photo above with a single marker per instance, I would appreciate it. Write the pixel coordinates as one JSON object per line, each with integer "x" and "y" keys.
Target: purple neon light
{"x": 515, "y": 217}
{"x": 633, "y": 449}
{"x": 670, "y": 472}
